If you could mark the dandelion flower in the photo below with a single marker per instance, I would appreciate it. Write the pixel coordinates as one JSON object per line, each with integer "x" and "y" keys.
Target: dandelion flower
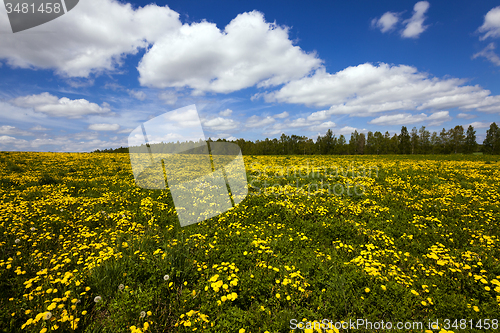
{"x": 384, "y": 288}
{"x": 367, "y": 290}
{"x": 97, "y": 299}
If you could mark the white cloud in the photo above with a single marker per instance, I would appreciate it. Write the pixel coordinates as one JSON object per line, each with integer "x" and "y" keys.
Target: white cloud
{"x": 324, "y": 126}
{"x": 250, "y": 51}
{"x": 437, "y": 118}
{"x": 367, "y": 89}
{"x": 256, "y": 121}
{"x": 64, "y": 107}
{"x": 12, "y": 130}
{"x": 104, "y": 127}
{"x": 386, "y": 22}
{"x": 226, "y": 113}
{"x": 281, "y": 115}
{"x": 39, "y": 128}
{"x": 414, "y": 25}
{"x": 138, "y": 94}
{"x": 478, "y": 124}
{"x": 318, "y": 115}
{"x": 220, "y": 124}
{"x": 406, "y": 118}
{"x": 491, "y": 25}
{"x": 169, "y": 97}
{"x": 125, "y": 130}
{"x": 465, "y": 116}
{"x": 7, "y": 139}
{"x": 347, "y": 130}
{"x": 94, "y": 37}
{"x": 398, "y": 119}
{"x": 489, "y": 53}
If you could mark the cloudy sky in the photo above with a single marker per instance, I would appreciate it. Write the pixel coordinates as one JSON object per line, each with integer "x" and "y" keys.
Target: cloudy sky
{"x": 254, "y": 69}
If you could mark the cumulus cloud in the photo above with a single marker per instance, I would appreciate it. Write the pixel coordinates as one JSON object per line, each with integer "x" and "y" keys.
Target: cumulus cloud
{"x": 465, "y": 116}
{"x": 489, "y": 53}
{"x": 407, "y": 118}
{"x": 323, "y": 126}
{"x": 491, "y": 25}
{"x": 281, "y": 115}
{"x": 92, "y": 38}
{"x": 168, "y": 97}
{"x": 220, "y": 124}
{"x": 415, "y": 25}
{"x": 138, "y": 94}
{"x": 256, "y": 121}
{"x": 368, "y": 89}
{"x": 386, "y": 22}
{"x": 12, "y": 130}
{"x": 478, "y": 124}
{"x": 104, "y": 127}
{"x": 226, "y": 113}
{"x": 39, "y": 128}
{"x": 60, "y": 107}
{"x": 249, "y": 51}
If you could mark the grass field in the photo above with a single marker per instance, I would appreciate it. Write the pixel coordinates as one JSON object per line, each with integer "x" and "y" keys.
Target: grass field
{"x": 82, "y": 248}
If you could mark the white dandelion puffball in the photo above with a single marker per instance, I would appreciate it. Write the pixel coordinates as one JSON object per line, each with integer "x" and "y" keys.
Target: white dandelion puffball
{"x": 97, "y": 299}
{"x": 166, "y": 277}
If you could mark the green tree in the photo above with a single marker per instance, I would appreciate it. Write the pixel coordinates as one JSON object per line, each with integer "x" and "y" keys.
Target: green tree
{"x": 424, "y": 139}
{"x": 491, "y": 143}
{"x": 457, "y": 138}
{"x": 414, "y": 140}
{"x": 341, "y": 144}
{"x": 470, "y": 140}
{"x": 404, "y": 141}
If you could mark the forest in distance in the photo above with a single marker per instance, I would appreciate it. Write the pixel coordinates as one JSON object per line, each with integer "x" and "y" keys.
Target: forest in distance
{"x": 417, "y": 141}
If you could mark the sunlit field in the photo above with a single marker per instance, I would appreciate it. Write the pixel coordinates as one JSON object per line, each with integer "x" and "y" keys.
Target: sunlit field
{"x": 381, "y": 238}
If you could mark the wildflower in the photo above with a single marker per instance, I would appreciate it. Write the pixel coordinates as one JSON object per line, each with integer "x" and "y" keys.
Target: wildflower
{"x": 97, "y": 299}
{"x": 166, "y": 277}
{"x": 121, "y": 286}
{"x": 367, "y": 290}
{"x": 143, "y": 314}
{"x": 149, "y": 313}
{"x": 384, "y": 288}
{"x": 47, "y": 315}
{"x": 17, "y": 240}
{"x": 32, "y": 228}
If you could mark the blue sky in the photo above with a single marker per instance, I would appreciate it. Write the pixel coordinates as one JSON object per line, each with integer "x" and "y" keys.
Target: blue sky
{"x": 254, "y": 69}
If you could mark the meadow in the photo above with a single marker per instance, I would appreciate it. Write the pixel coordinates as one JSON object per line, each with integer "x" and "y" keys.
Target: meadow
{"x": 393, "y": 238}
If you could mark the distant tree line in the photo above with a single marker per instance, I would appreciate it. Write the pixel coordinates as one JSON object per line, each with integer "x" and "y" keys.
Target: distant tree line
{"x": 417, "y": 141}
